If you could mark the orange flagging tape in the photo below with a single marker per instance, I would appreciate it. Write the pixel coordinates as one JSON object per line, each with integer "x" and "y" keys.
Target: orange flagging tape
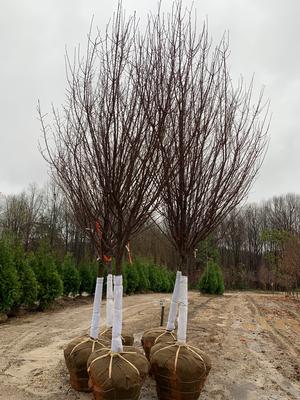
{"x": 106, "y": 258}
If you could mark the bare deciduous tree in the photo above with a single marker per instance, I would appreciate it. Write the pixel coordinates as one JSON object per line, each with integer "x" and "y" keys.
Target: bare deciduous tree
{"x": 103, "y": 147}
{"x": 290, "y": 264}
{"x": 216, "y": 136}
{"x": 21, "y": 214}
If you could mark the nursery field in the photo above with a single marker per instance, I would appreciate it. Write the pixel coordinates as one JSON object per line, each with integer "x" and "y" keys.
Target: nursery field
{"x": 253, "y": 340}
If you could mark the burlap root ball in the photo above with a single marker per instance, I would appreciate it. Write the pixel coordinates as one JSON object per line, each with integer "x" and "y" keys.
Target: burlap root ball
{"x": 179, "y": 370}
{"x": 76, "y": 355}
{"x": 156, "y": 335}
{"x": 117, "y": 376}
{"x": 127, "y": 338}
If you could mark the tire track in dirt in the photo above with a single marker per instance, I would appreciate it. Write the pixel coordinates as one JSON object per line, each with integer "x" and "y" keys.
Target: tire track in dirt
{"x": 278, "y": 336}
{"x": 235, "y": 340}
{"x": 208, "y": 320}
{"x": 294, "y": 314}
{"x": 148, "y": 317}
{"x": 275, "y": 353}
{"x": 228, "y": 328}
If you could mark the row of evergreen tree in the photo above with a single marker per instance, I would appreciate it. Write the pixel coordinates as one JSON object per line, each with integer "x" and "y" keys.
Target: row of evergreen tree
{"x": 36, "y": 279}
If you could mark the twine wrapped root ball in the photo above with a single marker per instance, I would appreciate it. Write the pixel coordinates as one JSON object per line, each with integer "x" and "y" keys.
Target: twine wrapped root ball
{"x": 180, "y": 370}
{"x": 117, "y": 376}
{"x": 76, "y": 355}
{"x": 127, "y": 338}
{"x": 156, "y": 335}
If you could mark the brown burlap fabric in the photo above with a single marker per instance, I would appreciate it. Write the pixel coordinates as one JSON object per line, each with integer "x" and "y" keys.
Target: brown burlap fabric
{"x": 156, "y": 335}
{"x": 127, "y": 338}
{"x": 76, "y": 355}
{"x": 180, "y": 370}
{"x": 117, "y": 376}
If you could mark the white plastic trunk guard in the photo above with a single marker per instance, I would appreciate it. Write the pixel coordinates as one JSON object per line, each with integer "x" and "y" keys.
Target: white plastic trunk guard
{"x": 174, "y": 302}
{"x": 109, "y": 302}
{"x": 95, "y": 325}
{"x": 183, "y": 310}
{"x": 116, "y": 343}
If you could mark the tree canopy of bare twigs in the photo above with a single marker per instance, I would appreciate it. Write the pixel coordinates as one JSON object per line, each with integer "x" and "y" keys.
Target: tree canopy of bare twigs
{"x": 151, "y": 114}
{"x": 21, "y": 213}
{"x": 216, "y": 135}
{"x": 102, "y": 147}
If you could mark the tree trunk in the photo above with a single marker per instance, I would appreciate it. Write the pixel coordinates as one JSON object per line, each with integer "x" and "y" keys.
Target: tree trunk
{"x": 118, "y": 261}
{"x": 185, "y": 263}
{"x": 100, "y": 268}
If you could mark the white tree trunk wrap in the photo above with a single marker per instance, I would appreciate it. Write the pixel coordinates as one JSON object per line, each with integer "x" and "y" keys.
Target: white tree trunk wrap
{"x": 116, "y": 342}
{"x": 183, "y": 310}
{"x": 95, "y": 325}
{"x": 174, "y": 302}
{"x": 109, "y": 302}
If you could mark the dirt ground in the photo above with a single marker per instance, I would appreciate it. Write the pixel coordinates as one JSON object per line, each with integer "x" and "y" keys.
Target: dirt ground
{"x": 253, "y": 340}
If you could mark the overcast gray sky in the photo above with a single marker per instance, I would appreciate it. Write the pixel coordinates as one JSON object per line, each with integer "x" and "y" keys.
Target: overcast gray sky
{"x": 264, "y": 40}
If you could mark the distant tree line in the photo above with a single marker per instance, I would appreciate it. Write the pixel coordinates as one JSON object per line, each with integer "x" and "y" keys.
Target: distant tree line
{"x": 258, "y": 245}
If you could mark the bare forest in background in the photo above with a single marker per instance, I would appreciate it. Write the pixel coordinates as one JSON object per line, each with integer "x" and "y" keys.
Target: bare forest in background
{"x": 258, "y": 245}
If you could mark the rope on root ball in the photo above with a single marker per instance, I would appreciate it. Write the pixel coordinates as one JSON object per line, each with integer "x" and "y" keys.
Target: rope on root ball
{"x": 109, "y": 329}
{"x": 188, "y": 347}
{"x": 164, "y": 333}
{"x": 86, "y": 341}
{"x": 105, "y": 331}
{"x": 112, "y": 354}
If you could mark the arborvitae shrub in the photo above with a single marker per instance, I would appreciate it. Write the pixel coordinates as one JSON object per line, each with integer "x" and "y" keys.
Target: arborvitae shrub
{"x": 29, "y": 285}
{"x": 143, "y": 276}
{"x": 221, "y": 287}
{"x": 166, "y": 282}
{"x": 211, "y": 281}
{"x": 132, "y": 278}
{"x": 125, "y": 282}
{"x": 27, "y": 279}
{"x": 50, "y": 285}
{"x": 208, "y": 281}
{"x": 172, "y": 278}
{"x": 86, "y": 279}
{"x": 154, "y": 278}
{"x": 162, "y": 283}
{"x": 70, "y": 276}
{"x": 160, "y": 278}
{"x": 9, "y": 282}
{"x": 94, "y": 271}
